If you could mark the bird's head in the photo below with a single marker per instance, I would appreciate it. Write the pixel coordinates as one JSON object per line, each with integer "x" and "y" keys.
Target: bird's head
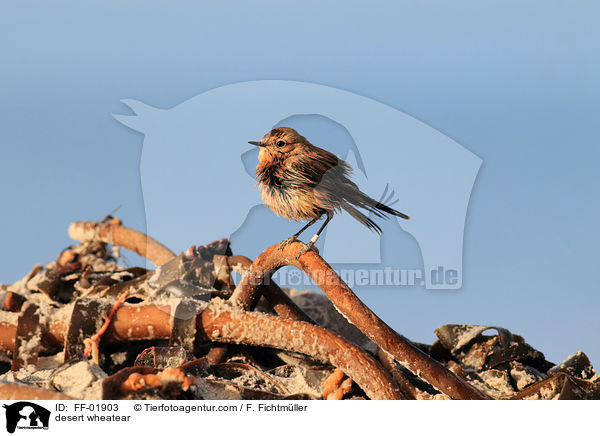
{"x": 281, "y": 143}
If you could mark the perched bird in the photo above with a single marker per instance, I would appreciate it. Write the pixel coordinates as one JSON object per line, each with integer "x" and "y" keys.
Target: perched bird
{"x": 300, "y": 181}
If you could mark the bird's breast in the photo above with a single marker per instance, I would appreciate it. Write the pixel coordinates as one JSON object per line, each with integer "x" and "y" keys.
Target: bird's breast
{"x": 291, "y": 203}
{"x": 287, "y": 195}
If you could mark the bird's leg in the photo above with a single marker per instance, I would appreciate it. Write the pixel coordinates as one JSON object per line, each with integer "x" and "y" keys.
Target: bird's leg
{"x": 294, "y": 237}
{"x": 313, "y": 240}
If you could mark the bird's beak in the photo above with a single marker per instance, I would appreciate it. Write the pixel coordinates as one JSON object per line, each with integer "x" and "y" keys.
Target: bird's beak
{"x": 257, "y": 143}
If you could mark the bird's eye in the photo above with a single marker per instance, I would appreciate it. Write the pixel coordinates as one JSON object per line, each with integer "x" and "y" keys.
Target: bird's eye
{"x": 280, "y": 143}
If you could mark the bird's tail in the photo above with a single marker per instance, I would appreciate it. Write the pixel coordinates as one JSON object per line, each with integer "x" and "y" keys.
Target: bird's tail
{"x": 389, "y": 210}
{"x": 360, "y": 199}
{"x": 389, "y": 199}
{"x": 361, "y": 217}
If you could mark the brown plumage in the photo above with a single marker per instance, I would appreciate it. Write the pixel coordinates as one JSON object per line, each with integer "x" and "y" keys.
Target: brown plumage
{"x": 300, "y": 181}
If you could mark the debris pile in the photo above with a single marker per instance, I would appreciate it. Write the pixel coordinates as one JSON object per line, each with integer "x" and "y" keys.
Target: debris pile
{"x": 87, "y": 327}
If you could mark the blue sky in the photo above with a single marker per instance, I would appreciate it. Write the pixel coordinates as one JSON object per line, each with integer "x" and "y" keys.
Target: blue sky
{"x": 516, "y": 84}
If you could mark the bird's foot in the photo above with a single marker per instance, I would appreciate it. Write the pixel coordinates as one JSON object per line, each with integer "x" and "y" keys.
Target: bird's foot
{"x": 287, "y": 241}
{"x": 309, "y": 247}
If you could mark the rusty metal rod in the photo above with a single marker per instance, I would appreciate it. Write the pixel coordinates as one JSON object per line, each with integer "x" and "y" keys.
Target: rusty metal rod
{"x": 9, "y": 391}
{"x": 115, "y": 233}
{"x": 282, "y": 304}
{"x": 252, "y": 328}
{"x": 248, "y": 291}
{"x": 232, "y": 325}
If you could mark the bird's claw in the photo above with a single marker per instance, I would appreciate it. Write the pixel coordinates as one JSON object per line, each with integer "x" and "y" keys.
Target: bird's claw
{"x": 287, "y": 241}
{"x": 307, "y": 247}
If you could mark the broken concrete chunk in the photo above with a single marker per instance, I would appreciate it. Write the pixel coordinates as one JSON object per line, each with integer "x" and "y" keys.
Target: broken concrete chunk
{"x": 523, "y": 375}
{"x": 81, "y": 379}
{"x": 499, "y": 381}
{"x": 162, "y": 357}
{"x": 577, "y": 365}
{"x": 456, "y": 336}
{"x": 560, "y": 386}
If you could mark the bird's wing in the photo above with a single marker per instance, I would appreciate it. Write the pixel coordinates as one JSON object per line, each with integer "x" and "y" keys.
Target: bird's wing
{"x": 321, "y": 169}
{"x": 330, "y": 176}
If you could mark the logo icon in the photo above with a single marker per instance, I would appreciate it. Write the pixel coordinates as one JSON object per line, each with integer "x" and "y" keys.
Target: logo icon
{"x": 196, "y": 161}
{"x": 26, "y": 415}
